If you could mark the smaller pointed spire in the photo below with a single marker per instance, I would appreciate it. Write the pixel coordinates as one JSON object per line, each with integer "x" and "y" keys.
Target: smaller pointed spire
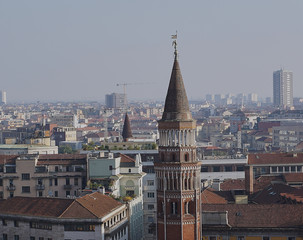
{"x": 127, "y": 132}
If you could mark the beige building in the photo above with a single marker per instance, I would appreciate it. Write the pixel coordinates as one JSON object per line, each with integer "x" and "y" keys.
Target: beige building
{"x": 53, "y": 175}
{"x": 17, "y": 149}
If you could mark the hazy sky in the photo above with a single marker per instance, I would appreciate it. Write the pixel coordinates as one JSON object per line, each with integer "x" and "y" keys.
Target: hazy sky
{"x": 80, "y": 50}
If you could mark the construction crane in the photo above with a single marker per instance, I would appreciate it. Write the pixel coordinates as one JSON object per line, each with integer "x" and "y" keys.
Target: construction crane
{"x": 124, "y": 89}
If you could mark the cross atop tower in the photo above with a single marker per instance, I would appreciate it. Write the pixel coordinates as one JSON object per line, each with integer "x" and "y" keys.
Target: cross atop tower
{"x": 175, "y": 36}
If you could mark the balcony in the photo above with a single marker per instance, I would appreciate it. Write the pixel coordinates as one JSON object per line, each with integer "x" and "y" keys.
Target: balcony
{"x": 11, "y": 187}
{"x": 40, "y": 187}
{"x": 67, "y": 187}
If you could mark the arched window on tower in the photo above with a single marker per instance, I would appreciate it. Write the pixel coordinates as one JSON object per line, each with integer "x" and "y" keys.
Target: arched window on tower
{"x": 173, "y": 157}
{"x": 174, "y": 208}
{"x": 186, "y": 157}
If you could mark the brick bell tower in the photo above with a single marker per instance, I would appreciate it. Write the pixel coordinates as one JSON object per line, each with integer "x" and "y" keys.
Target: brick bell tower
{"x": 177, "y": 171}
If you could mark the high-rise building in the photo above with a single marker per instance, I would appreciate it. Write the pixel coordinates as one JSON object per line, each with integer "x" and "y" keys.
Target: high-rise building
{"x": 283, "y": 88}
{"x": 2, "y": 97}
{"x": 115, "y": 100}
{"x": 177, "y": 170}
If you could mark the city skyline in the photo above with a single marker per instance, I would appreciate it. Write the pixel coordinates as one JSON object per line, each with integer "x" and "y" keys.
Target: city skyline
{"x": 87, "y": 49}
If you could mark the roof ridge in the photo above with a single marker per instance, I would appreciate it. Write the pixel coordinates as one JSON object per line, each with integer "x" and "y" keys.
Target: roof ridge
{"x": 66, "y": 209}
{"x": 74, "y": 202}
{"x": 86, "y": 207}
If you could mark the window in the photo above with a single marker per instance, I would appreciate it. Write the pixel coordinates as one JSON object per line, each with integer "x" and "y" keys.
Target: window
{"x": 110, "y": 167}
{"x": 67, "y": 181}
{"x": 286, "y": 168}
{"x": 25, "y": 176}
{"x": 299, "y": 168}
{"x": 212, "y": 238}
{"x": 76, "y": 182}
{"x": 41, "y": 238}
{"x": 56, "y": 181}
{"x": 291, "y": 238}
{"x": 4, "y": 236}
{"x": 40, "y": 225}
{"x": 56, "y": 169}
{"x": 150, "y": 195}
{"x": 186, "y": 157}
{"x": 150, "y": 219}
{"x": 40, "y": 194}
{"x": 56, "y": 193}
{"x": 4, "y": 222}
{"x": 150, "y": 207}
{"x": 1, "y": 182}
{"x": 129, "y": 170}
{"x": 204, "y": 169}
{"x": 150, "y": 182}
{"x": 79, "y": 227}
{"x": 67, "y": 193}
{"x": 26, "y": 189}
{"x": 293, "y": 169}
{"x": 265, "y": 238}
{"x": 50, "y": 182}
{"x": 280, "y": 169}
{"x": 16, "y": 237}
{"x": 39, "y": 181}
{"x": 240, "y": 168}
{"x": 31, "y": 238}
{"x": 241, "y": 238}
{"x": 130, "y": 192}
{"x": 216, "y": 169}
{"x": 274, "y": 169}
{"x": 174, "y": 208}
{"x": 16, "y": 223}
{"x": 227, "y": 168}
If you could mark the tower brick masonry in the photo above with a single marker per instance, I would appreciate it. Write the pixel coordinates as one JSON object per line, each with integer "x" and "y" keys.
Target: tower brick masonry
{"x": 177, "y": 171}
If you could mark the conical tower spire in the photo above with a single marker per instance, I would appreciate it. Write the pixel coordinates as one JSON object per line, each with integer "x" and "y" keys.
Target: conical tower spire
{"x": 176, "y": 102}
{"x": 127, "y": 132}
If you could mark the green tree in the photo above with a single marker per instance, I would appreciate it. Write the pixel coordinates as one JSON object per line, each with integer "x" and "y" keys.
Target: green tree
{"x": 65, "y": 149}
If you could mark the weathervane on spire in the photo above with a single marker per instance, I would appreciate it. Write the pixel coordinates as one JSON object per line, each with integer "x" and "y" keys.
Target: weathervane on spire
{"x": 175, "y": 43}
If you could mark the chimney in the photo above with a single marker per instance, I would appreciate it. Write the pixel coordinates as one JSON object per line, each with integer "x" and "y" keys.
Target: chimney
{"x": 249, "y": 179}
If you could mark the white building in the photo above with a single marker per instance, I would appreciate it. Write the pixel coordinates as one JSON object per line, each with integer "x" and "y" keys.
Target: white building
{"x": 283, "y": 88}
{"x": 121, "y": 176}
{"x": 2, "y": 97}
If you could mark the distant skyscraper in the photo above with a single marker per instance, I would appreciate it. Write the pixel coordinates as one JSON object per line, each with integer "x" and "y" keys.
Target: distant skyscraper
{"x": 252, "y": 98}
{"x": 115, "y": 100}
{"x": 3, "y": 97}
{"x": 283, "y": 88}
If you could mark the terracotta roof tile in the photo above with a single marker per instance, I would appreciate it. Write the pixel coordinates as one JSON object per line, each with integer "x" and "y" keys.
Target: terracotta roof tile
{"x": 8, "y": 159}
{"x": 209, "y": 196}
{"x": 293, "y": 177}
{"x": 95, "y": 205}
{"x": 126, "y": 159}
{"x": 62, "y": 159}
{"x": 260, "y": 215}
{"x": 279, "y": 193}
{"x": 275, "y": 158}
{"x": 233, "y": 184}
{"x": 42, "y": 207}
{"x": 98, "y": 204}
